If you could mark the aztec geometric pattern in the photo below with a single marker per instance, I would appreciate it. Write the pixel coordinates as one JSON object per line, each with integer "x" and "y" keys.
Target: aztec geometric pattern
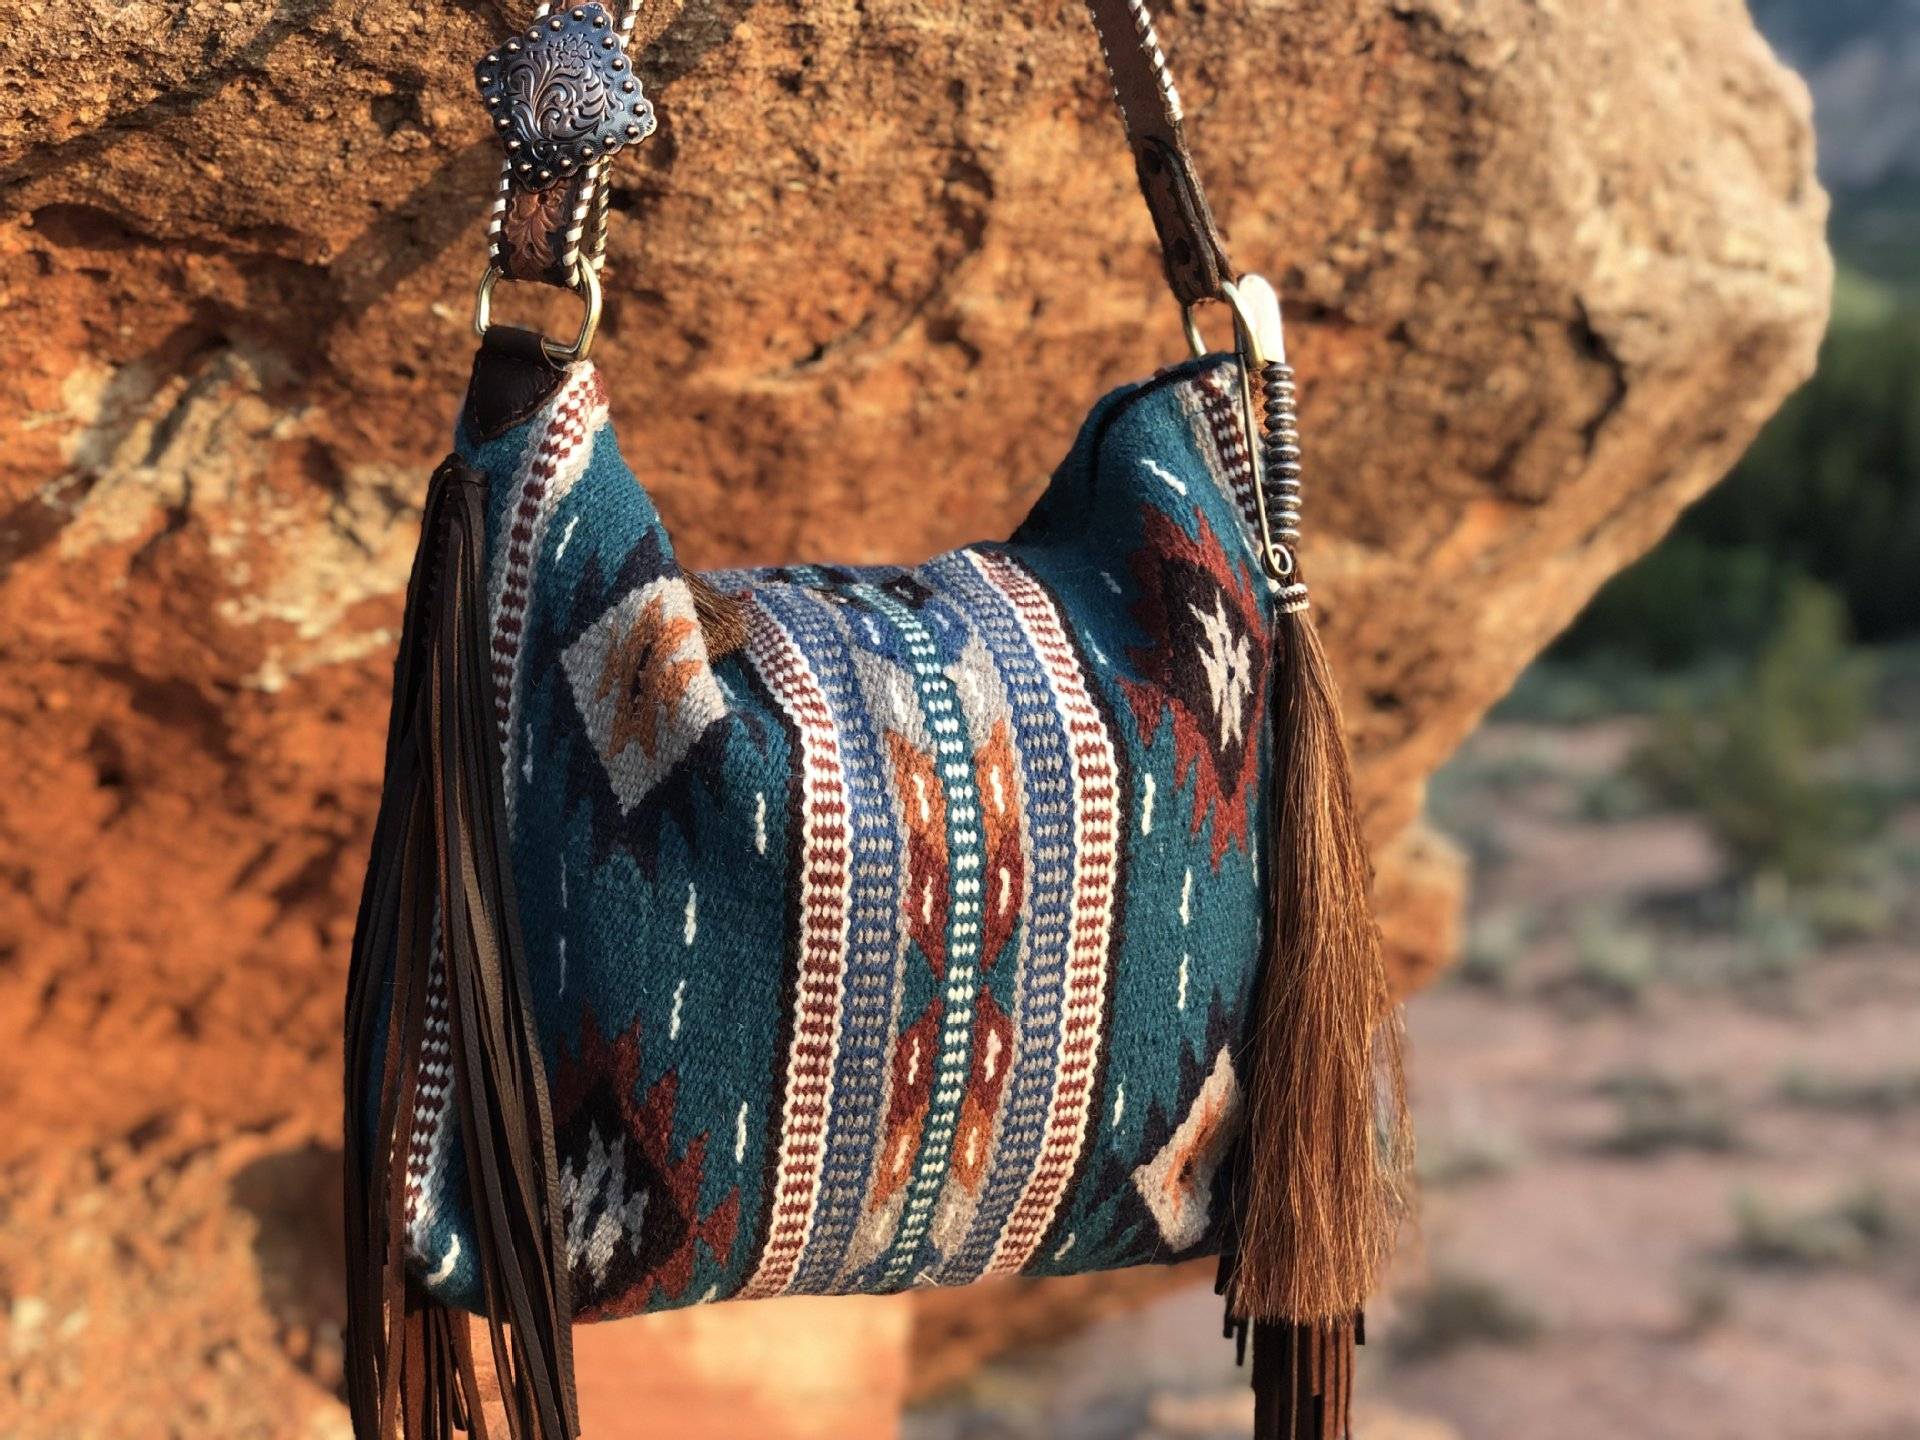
{"x": 912, "y": 942}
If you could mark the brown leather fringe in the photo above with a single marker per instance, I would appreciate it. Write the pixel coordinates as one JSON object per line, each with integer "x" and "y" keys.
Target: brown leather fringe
{"x": 440, "y": 881}
{"x": 723, "y": 617}
{"x": 1303, "y": 1379}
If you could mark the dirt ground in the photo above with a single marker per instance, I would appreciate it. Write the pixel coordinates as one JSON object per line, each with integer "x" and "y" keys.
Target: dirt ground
{"x": 1671, "y": 1154}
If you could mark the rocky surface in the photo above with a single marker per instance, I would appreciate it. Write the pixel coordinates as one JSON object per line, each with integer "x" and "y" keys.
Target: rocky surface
{"x": 1549, "y": 267}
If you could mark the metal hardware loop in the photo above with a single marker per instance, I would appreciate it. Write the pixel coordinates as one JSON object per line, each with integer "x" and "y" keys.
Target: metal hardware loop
{"x": 586, "y": 284}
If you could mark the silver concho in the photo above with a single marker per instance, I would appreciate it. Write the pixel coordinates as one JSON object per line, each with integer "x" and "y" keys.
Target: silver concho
{"x": 563, "y": 94}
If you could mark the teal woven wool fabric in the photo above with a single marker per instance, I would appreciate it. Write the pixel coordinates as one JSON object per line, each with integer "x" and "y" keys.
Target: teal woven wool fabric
{"x": 912, "y": 942}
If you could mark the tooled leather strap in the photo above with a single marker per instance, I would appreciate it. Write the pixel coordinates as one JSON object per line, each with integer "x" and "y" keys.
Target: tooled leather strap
{"x": 564, "y": 100}
{"x": 1190, "y": 241}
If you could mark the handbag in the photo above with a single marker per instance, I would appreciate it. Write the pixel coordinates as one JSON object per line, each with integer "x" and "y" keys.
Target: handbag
{"x": 823, "y": 930}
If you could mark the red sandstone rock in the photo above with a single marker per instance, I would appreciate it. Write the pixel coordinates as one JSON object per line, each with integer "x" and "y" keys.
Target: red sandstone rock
{"x": 1549, "y": 266}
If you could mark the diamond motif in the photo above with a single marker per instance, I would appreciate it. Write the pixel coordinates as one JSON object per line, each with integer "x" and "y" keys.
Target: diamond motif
{"x": 630, "y": 1196}
{"x": 643, "y": 687}
{"x": 1204, "y": 669}
{"x": 1177, "y": 1183}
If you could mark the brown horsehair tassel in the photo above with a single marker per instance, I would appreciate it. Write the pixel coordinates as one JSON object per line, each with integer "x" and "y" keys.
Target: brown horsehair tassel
{"x": 722, "y": 617}
{"x": 1327, "y": 1128}
{"x": 1323, "y": 1180}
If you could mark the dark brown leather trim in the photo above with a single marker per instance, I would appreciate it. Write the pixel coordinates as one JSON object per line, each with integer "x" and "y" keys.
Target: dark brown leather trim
{"x": 1190, "y": 240}
{"x": 513, "y": 376}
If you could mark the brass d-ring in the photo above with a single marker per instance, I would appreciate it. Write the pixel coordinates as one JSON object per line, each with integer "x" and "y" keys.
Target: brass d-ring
{"x": 1255, "y": 308}
{"x": 586, "y": 284}
{"x": 1189, "y": 322}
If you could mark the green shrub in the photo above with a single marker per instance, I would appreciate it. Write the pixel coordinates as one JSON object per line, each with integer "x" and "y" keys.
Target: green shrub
{"x": 1878, "y": 1095}
{"x": 1773, "y": 937}
{"x": 1680, "y": 603}
{"x": 1495, "y": 946}
{"x": 1617, "y": 795}
{"x": 1467, "y": 1158}
{"x": 1752, "y": 762}
{"x": 1453, "y": 1311}
{"x": 1658, "y": 1113}
{"x": 1706, "y": 1304}
{"x": 1852, "y": 1231}
{"x": 1601, "y": 685}
{"x": 1847, "y": 910}
{"x": 1614, "y": 959}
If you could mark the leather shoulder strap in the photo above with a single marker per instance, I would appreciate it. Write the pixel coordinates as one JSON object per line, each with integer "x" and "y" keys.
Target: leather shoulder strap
{"x": 1190, "y": 242}
{"x": 550, "y": 210}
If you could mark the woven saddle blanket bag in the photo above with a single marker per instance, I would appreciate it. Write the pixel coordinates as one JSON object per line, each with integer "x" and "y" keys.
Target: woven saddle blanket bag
{"x": 829, "y": 930}
{"x": 912, "y": 941}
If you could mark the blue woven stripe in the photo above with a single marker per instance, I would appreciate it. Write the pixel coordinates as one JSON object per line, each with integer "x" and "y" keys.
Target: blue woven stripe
{"x": 966, "y": 859}
{"x": 874, "y": 923}
{"x": 1040, "y": 741}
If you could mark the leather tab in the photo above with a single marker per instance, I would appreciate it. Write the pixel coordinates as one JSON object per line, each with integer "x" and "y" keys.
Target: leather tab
{"x": 513, "y": 376}
{"x": 537, "y": 231}
{"x": 1190, "y": 244}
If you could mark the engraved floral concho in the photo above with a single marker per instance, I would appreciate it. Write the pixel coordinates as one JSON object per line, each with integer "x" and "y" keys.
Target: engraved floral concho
{"x": 563, "y": 95}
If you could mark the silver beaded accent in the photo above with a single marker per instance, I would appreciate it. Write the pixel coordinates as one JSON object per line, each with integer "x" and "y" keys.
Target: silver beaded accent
{"x": 1280, "y": 473}
{"x": 600, "y": 203}
{"x": 582, "y": 160}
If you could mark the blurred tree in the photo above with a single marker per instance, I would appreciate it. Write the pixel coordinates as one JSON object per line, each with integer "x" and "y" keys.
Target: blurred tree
{"x": 1830, "y": 490}
{"x": 1752, "y": 762}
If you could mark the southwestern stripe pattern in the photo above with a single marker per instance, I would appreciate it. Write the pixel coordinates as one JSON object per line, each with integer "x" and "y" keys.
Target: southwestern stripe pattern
{"x": 1096, "y": 809}
{"x": 910, "y": 943}
{"x": 1051, "y": 782}
{"x": 1225, "y": 434}
{"x": 876, "y": 929}
{"x": 426, "y": 1149}
{"x": 552, "y": 466}
{"x": 954, "y": 766}
{"x": 825, "y": 875}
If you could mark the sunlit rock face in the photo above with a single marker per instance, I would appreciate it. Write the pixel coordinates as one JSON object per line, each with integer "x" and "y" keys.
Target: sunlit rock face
{"x": 1548, "y": 267}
